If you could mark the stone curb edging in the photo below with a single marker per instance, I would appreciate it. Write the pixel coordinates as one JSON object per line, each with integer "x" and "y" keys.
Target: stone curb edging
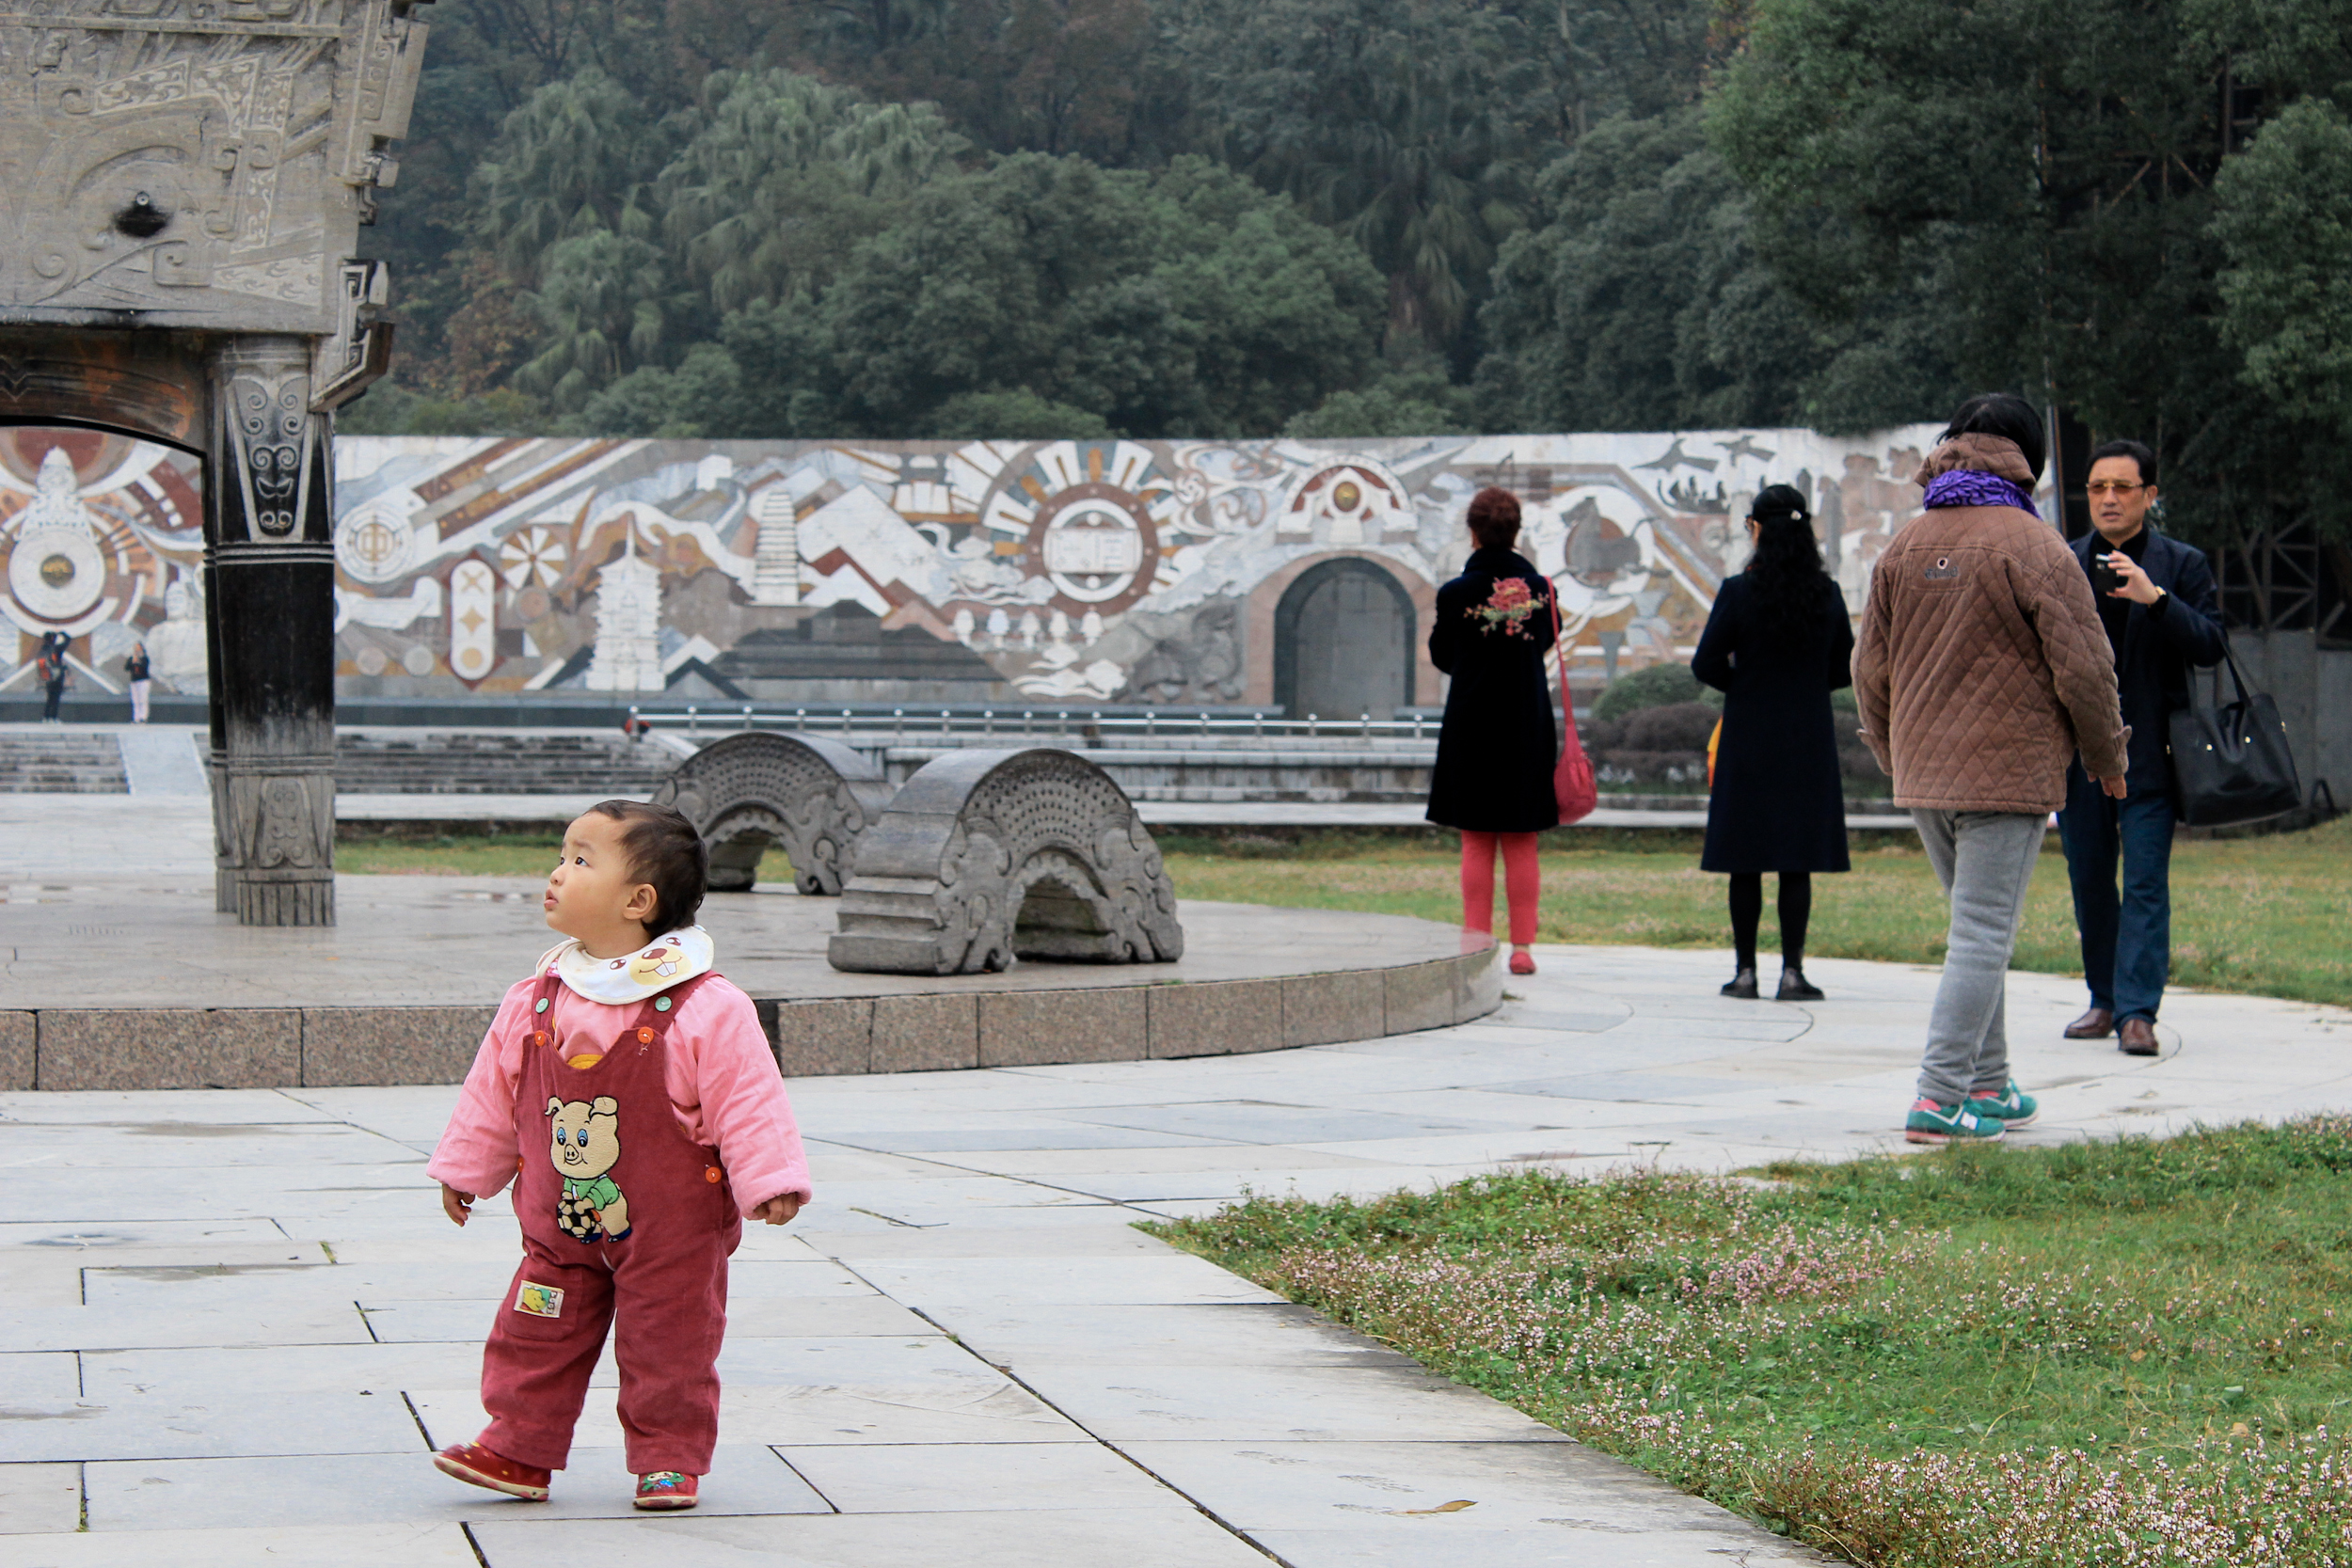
{"x": 264, "y": 1048}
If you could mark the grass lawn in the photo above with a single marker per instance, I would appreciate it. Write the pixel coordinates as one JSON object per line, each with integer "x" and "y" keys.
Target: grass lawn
{"x": 2265, "y": 915}
{"x": 2124, "y": 1354}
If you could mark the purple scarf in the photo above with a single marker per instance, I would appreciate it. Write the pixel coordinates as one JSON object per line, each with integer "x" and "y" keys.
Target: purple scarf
{"x": 1975, "y": 487}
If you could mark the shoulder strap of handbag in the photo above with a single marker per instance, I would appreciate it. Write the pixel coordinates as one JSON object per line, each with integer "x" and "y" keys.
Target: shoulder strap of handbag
{"x": 2237, "y": 676}
{"x": 1559, "y": 654}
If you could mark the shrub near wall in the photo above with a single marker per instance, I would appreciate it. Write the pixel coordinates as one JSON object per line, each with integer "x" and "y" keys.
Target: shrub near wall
{"x": 1648, "y": 730}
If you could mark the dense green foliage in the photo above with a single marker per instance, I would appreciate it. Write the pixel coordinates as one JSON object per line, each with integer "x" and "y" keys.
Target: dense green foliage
{"x": 1355, "y": 217}
{"x": 2125, "y": 1351}
{"x": 2060, "y": 188}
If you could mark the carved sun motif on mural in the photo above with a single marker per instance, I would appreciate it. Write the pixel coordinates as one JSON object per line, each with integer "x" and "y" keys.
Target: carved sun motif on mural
{"x": 1088, "y": 519}
{"x": 533, "y": 556}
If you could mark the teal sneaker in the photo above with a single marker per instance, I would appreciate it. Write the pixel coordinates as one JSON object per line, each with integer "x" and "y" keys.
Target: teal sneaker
{"x": 1931, "y": 1123}
{"x": 2013, "y": 1107}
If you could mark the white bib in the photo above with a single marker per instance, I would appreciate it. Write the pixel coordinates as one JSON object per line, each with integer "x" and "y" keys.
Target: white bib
{"x": 649, "y": 971}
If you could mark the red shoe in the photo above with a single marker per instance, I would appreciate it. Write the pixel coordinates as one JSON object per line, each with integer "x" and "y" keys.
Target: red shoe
{"x": 1522, "y": 963}
{"x": 662, "y": 1490}
{"x": 478, "y": 1466}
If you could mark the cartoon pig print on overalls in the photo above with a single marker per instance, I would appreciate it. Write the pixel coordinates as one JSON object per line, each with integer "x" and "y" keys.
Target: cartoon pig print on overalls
{"x": 587, "y": 1142}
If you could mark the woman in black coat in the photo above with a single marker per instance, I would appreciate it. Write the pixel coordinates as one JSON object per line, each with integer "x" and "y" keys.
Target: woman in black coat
{"x": 1497, "y": 748}
{"x": 1778, "y": 644}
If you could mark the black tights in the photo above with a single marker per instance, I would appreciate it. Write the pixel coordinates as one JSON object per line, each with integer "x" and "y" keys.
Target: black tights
{"x": 1747, "y": 913}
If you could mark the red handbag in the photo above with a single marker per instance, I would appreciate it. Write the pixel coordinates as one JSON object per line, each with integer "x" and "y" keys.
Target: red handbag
{"x": 1572, "y": 781}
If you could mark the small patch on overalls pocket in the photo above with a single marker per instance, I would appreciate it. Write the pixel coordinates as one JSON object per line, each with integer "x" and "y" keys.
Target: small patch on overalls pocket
{"x": 540, "y": 1301}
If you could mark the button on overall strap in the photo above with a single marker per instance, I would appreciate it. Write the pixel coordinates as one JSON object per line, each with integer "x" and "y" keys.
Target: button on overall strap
{"x": 656, "y": 1013}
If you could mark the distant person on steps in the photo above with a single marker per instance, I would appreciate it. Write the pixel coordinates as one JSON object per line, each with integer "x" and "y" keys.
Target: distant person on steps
{"x": 50, "y": 670}
{"x": 137, "y": 671}
{"x": 1497, "y": 747}
{"x": 1776, "y": 645}
{"x": 2157, "y": 602}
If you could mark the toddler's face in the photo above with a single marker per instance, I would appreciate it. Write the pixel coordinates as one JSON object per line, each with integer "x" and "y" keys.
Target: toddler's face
{"x": 590, "y": 890}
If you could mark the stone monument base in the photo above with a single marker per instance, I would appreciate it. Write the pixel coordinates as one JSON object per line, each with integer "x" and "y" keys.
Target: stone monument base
{"x": 127, "y": 982}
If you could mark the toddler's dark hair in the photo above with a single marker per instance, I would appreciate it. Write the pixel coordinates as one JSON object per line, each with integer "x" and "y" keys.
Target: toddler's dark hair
{"x": 663, "y": 848}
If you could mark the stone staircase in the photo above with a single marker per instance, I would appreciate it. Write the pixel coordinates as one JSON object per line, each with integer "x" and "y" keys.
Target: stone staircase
{"x": 35, "y": 760}
{"x": 497, "y": 762}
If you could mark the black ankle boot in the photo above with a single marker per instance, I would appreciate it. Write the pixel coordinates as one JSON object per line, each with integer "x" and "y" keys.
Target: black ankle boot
{"x": 1794, "y": 986}
{"x": 1742, "y": 985}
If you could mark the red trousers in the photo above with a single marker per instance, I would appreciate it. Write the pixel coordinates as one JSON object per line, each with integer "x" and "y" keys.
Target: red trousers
{"x": 671, "y": 1319}
{"x": 1522, "y": 882}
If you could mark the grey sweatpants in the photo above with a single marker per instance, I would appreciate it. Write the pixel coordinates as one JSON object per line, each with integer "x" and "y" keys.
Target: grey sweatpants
{"x": 1985, "y": 860}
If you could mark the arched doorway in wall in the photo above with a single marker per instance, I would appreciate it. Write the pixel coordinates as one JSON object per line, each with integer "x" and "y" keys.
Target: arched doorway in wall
{"x": 1344, "y": 637}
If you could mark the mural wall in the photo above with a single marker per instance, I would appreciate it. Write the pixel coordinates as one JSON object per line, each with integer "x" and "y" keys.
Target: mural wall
{"x": 1189, "y": 572}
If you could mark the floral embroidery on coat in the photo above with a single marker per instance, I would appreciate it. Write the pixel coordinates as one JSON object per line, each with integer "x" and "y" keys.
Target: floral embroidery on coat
{"x": 1507, "y": 609}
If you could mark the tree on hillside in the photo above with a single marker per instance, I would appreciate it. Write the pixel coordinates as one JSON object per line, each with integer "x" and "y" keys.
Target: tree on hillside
{"x": 783, "y": 174}
{"x": 1639, "y": 304}
{"x": 1186, "y": 303}
{"x": 1014, "y": 75}
{"x": 577, "y": 158}
{"x": 1067, "y": 299}
{"x": 1397, "y": 121}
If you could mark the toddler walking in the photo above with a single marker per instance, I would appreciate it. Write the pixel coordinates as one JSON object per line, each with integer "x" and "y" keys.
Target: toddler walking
{"x": 627, "y": 1090}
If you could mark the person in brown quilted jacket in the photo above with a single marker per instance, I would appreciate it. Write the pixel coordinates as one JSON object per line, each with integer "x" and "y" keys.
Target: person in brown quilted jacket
{"x": 1980, "y": 672}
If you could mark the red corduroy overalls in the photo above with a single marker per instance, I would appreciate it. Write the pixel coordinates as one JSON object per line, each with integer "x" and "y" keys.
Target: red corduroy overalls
{"x": 626, "y": 1222}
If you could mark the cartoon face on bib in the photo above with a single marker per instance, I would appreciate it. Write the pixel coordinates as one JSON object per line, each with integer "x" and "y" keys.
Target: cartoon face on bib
{"x": 656, "y": 964}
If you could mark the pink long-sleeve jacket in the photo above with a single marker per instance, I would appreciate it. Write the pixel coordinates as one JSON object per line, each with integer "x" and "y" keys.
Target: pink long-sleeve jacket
{"x": 721, "y": 1078}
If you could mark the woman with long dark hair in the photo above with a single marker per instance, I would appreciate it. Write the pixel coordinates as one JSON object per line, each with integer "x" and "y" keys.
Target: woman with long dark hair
{"x": 1497, "y": 747}
{"x": 1778, "y": 644}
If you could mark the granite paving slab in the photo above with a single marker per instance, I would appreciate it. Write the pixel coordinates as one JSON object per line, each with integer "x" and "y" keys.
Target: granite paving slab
{"x": 991, "y": 1478}
{"x": 1239, "y": 1335}
{"x": 1126, "y": 1404}
{"x": 1390, "y": 1492}
{"x": 41, "y": 1500}
{"x": 311, "y": 1490}
{"x": 202, "y": 1425}
{"x": 1174, "y": 1536}
{"x": 946, "y": 1284}
{"x": 406, "y": 1544}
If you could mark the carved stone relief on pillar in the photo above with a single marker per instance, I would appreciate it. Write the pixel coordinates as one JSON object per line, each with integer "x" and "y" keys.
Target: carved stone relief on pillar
{"x": 270, "y": 541}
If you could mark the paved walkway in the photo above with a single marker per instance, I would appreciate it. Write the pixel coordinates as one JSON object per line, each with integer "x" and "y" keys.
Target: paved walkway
{"x": 233, "y": 1324}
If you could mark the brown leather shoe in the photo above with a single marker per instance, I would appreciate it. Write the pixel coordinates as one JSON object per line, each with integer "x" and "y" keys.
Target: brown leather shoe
{"x": 2138, "y": 1037}
{"x": 2096, "y": 1024}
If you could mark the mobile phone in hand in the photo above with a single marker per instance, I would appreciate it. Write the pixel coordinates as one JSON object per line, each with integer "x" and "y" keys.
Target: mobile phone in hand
{"x": 2103, "y": 577}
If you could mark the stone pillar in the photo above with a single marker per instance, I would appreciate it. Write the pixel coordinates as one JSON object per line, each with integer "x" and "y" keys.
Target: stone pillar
{"x": 270, "y": 558}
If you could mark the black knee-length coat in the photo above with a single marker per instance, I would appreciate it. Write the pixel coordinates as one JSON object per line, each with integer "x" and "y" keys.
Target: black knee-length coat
{"x": 1497, "y": 748}
{"x": 1778, "y": 803}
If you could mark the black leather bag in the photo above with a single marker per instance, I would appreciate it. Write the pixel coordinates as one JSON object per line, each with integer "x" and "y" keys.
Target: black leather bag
{"x": 2231, "y": 764}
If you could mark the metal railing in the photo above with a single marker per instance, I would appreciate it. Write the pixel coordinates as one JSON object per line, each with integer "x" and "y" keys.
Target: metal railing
{"x": 895, "y": 725}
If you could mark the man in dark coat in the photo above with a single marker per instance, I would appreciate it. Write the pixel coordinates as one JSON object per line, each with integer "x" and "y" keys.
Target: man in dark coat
{"x": 2156, "y": 600}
